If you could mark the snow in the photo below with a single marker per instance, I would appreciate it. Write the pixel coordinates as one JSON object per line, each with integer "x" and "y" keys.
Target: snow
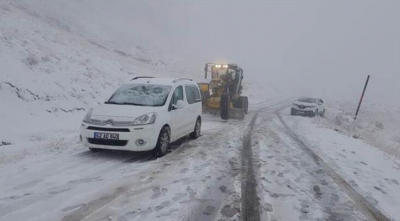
{"x": 376, "y": 124}
{"x": 49, "y": 77}
{"x": 48, "y": 73}
{"x": 60, "y": 58}
{"x": 60, "y": 182}
{"x": 292, "y": 186}
{"x": 371, "y": 171}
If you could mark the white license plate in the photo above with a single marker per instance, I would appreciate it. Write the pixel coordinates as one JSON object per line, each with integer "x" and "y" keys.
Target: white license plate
{"x": 107, "y": 136}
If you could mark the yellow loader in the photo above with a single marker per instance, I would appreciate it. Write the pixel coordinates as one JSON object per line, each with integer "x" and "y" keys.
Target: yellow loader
{"x": 223, "y": 94}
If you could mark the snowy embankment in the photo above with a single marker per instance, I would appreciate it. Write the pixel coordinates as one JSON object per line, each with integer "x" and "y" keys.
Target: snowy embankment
{"x": 54, "y": 66}
{"x": 50, "y": 76}
{"x": 377, "y": 124}
{"x": 364, "y": 152}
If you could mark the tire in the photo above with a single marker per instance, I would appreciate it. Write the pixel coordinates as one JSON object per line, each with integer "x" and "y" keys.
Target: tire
{"x": 323, "y": 113}
{"x": 292, "y": 112}
{"x": 315, "y": 113}
{"x": 246, "y": 104}
{"x": 238, "y": 103}
{"x": 162, "y": 143}
{"x": 95, "y": 150}
{"x": 225, "y": 106}
{"x": 197, "y": 130}
{"x": 242, "y": 103}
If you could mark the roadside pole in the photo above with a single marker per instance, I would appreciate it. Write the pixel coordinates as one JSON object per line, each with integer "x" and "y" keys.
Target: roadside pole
{"x": 362, "y": 97}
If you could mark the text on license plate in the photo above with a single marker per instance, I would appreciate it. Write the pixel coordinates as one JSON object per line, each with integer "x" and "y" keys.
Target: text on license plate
{"x": 109, "y": 136}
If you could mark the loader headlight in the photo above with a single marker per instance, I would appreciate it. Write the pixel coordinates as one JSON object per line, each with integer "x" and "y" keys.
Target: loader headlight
{"x": 225, "y": 66}
{"x": 218, "y": 66}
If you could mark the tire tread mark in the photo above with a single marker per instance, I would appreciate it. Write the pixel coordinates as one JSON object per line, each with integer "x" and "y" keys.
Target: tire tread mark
{"x": 359, "y": 200}
{"x": 250, "y": 201}
{"x": 33, "y": 199}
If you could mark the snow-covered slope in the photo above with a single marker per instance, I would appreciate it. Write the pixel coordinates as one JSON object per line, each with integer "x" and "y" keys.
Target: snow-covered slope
{"x": 59, "y": 58}
{"x": 376, "y": 124}
{"x": 49, "y": 75}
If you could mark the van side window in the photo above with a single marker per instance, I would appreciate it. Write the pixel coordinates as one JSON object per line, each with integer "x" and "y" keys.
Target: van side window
{"x": 176, "y": 96}
{"x": 192, "y": 94}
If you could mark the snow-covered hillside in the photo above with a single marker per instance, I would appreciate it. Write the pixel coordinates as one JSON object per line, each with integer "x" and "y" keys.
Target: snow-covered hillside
{"x": 57, "y": 63}
{"x": 50, "y": 75}
{"x": 376, "y": 124}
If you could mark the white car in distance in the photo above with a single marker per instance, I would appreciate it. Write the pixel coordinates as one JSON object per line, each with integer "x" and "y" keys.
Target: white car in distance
{"x": 145, "y": 114}
{"x": 307, "y": 106}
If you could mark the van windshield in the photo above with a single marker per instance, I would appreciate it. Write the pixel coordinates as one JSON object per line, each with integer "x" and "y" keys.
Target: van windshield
{"x": 140, "y": 95}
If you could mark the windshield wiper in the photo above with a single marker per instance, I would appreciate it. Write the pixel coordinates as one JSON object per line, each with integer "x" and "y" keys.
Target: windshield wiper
{"x": 111, "y": 102}
{"x": 128, "y": 103}
{"x": 124, "y": 103}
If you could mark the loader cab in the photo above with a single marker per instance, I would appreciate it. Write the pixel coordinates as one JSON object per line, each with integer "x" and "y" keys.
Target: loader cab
{"x": 230, "y": 75}
{"x": 224, "y": 91}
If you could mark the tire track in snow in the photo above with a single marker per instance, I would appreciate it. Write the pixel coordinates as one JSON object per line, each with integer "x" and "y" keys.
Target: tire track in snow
{"x": 221, "y": 201}
{"x": 363, "y": 204}
{"x": 250, "y": 201}
{"x": 96, "y": 204}
{"x": 90, "y": 160}
{"x": 58, "y": 189}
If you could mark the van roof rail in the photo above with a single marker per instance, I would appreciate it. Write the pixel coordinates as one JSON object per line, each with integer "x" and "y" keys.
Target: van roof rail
{"x": 181, "y": 79}
{"x": 141, "y": 77}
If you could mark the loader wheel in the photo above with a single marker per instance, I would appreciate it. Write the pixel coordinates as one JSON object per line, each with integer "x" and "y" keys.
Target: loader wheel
{"x": 242, "y": 103}
{"x": 225, "y": 106}
{"x": 246, "y": 104}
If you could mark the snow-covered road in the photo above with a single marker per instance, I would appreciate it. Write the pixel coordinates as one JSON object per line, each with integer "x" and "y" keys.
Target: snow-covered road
{"x": 256, "y": 169}
{"x": 298, "y": 181}
{"x": 197, "y": 180}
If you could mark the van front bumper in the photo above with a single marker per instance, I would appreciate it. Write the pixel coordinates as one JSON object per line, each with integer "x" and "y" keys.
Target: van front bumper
{"x": 138, "y": 138}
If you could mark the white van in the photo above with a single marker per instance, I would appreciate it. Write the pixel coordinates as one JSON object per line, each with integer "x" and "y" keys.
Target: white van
{"x": 145, "y": 114}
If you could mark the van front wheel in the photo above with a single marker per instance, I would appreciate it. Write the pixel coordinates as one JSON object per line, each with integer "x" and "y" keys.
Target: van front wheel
{"x": 197, "y": 130}
{"x": 162, "y": 142}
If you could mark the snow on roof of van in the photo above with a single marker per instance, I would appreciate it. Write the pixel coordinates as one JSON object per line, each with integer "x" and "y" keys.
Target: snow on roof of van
{"x": 164, "y": 81}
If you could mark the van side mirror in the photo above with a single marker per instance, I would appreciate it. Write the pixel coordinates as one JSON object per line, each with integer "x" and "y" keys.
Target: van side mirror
{"x": 179, "y": 105}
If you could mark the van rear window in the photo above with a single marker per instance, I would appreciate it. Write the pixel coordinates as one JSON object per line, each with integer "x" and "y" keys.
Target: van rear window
{"x": 192, "y": 94}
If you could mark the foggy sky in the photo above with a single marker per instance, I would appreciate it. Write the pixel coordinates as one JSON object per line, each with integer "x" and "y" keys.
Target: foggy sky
{"x": 322, "y": 48}
{"x": 319, "y": 48}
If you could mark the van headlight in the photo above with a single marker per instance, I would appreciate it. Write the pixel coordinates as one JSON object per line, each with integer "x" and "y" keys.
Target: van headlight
{"x": 87, "y": 119}
{"x": 149, "y": 118}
